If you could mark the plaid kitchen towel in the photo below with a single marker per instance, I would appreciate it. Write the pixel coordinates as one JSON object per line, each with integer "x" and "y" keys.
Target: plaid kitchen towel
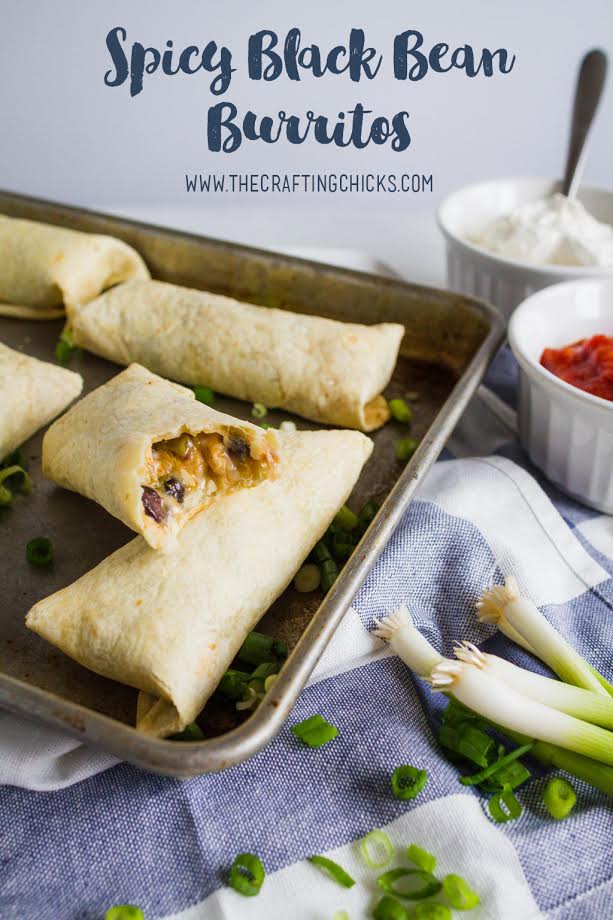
{"x": 104, "y": 833}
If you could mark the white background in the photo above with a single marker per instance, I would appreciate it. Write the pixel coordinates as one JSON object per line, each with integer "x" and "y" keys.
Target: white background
{"x": 67, "y": 136}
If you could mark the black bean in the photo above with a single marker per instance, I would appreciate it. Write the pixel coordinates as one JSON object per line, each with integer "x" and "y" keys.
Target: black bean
{"x": 152, "y": 503}
{"x": 175, "y": 488}
{"x": 238, "y": 447}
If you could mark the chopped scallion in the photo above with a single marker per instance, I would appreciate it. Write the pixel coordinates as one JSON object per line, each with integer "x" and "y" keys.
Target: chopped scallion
{"x": 390, "y": 909}
{"x": 259, "y": 410}
{"x": 408, "y": 781}
{"x": 493, "y": 768}
{"x": 314, "y": 731}
{"x": 329, "y": 574}
{"x": 65, "y": 347}
{"x": 431, "y": 910}
{"x": 288, "y": 425}
{"x": 39, "y": 552}
{"x": 341, "y": 915}
{"x": 191, "y": 732}
{"x": 247, "y": 874}
{"x": 232, "y": 685}
{"x": 459, "y": 893}
{"x": 376, "y": 849}
{"x": 18, "y": 478}
{"x": 400, "y": 411}
{"x": 333, "y": 869}
{"x": 504, "y": 806}
{"x": 405, "y": 448}
{"x": 124, "y": 912}
{"x": 204, "y": 395}
{"x": 367, "y": 514}
{"x": 258, "y": 648}
{"x": 421, "y": 858}
{"x": 307, "y": 578}
{"x": 559, "y": 797}
{"x": 410, "y": 884}
{"x": 321, "y": 553}
{"x": 345, "y": 518}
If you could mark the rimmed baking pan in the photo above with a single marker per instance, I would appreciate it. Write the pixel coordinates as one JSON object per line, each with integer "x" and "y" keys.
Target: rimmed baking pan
{"x": 449, "y": 342}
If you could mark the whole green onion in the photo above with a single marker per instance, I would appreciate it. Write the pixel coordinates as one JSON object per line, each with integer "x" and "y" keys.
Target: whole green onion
{"x": 124, "y": 912}
{"x": 421, "y": 858}
{"x": 22, "y": 481}
{"x": 345, "y": 518}
{"x": 559, "y": 797}
{"x": 459, "y": 893}
{"x": 204, "y": 395}
{"x": 431, "y": 910}
{"x": 411, "y": 884}
{"x": 376, "y": 849}
{"x": 477, "y": 778}
{"x": 389, "y": 908}
{"x": 307, "y": 578}
{"x": 191, "y": 732}
{"x": 400, "y": 411}
{"x": 247, "y": 874}
{"x": 405, "y": 448}
{"x": 39, "y": 552}
{"x": 331, "y": 868}
{"x": 512, "y": 808}
{"x": 314, "y": 731}
{"x": 408, "y": 781}
{"x": 259, "y": 410}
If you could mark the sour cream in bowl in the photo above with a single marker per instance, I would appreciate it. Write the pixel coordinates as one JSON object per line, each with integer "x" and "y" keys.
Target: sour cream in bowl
{"x": 566, "y": 429}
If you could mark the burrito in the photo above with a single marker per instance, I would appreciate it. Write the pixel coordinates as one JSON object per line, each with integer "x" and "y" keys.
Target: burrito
{"x": 324, "y": 370}
{"x": 45, "y": 269}
{"x": 152, "y": 455}
{"x": 170, "y": 624}
{"x": 32, "y": 392}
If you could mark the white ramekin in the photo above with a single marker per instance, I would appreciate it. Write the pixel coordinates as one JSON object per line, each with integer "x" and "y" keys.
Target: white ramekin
{"x": 506, "y": 282}
{"x": 568, "y": 433}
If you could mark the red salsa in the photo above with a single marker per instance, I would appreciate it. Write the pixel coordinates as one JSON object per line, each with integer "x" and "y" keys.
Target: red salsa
{"x": 586, "y": 364}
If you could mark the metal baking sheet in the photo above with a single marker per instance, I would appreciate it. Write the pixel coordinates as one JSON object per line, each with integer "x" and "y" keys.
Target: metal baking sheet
{"x": 449, "y": 342}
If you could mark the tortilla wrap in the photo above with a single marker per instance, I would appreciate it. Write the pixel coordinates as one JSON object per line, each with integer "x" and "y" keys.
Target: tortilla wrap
{"x": 170, "y": 625}
{"x": 152, "y": 455}
{"x": 32, "y": 392}
{"x": 45, "y": 269}
{"x": 324, "y": 370}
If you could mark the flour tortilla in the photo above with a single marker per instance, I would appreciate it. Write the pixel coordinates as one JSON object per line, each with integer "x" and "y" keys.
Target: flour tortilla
{"x": 170, "y": 624}
{"x": 46, "y": 269}
{"x": 324, "y": 370}
{"x": 32, "y": 392}
{"x": 101, "y": 447}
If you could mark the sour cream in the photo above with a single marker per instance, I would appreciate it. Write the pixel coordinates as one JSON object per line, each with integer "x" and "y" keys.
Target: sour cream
{"x": 551, "y": 231}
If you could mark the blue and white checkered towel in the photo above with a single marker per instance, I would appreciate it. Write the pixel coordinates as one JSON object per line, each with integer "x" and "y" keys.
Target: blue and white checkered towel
{"x": 103, "y": 833}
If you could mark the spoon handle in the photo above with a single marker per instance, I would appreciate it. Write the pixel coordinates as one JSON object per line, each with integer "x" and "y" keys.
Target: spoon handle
{"x": 590, "y": 83}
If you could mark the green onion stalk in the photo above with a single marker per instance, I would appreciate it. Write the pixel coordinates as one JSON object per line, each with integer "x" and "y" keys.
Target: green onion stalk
{"x": 517, "y": 616}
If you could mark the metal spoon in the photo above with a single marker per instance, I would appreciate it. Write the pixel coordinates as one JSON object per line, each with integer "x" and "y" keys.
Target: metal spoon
{"x": 590, "y": 83}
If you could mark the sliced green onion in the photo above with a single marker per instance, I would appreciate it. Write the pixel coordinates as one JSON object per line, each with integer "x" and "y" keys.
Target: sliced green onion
{"x": 376, "y": 849}
{"x": 333, "y": 869}
{"x": 270, "y": 681}
{"x": 504, "y": 807}
{"x": 265, "y": 670}
{"x": 512, "y": 776}
{"x": 321, "y": 553}
{"x": 431, "y": 910}
{"x": 191, "y": 732}
{"x": 493, "y": 768}
{"x": 250, "y": 700}
{"x": 503, "y": 605}
{"x": 204, "y": 395}
{"x": 288, "y": 425}
{"x": 400, "y": 411}
{"x": 410, "y": 884}
{"x": 559, "y": 797}
{"x": 345, "y": 518}
{"x": 408, "y": 781}
{"x": 258, "y": 648}
{"x": 459, "y": 893}
{"x": 307, "y": 578}
{"x": 421, "y": 858}
{"x": 247, "y": 874}
{"x": 405, "y": 448}
{"x": 22, "y": 481}
{"x": 65, "y": 347}
{"x": 329, "y": 574}
{"x": 342, "y": 545}
{"x": 390, "y": 909}
{"x": 314, "y": 731}
{"x": 124, "y": 912}
{"x": 266, "y": 426}
{"x": 341, "y": 915}
{"x": 259, "y": 410}
{"x": 367, "y": 513}
{"x": 469, "y": 741}
{"x": 232, "y": 685}
{"x": 39, "y": 552}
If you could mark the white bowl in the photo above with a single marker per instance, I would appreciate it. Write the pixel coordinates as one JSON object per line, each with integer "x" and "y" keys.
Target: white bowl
{"x": 568, "y": 433}
{"x": 506, "y": 282}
